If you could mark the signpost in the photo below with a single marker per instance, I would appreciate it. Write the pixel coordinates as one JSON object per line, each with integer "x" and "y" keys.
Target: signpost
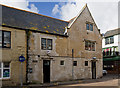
{"x": 21, "y": 59}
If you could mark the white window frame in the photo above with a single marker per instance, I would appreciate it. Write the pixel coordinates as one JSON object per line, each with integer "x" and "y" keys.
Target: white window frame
{"x": 2, "y": 68}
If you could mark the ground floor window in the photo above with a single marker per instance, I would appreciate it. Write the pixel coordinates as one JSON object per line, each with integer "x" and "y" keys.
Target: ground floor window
{"x": 62, "y": 62}
{"x": 4, "y": 70}
{"x": 74, "y": 63}
{"x": 86, "y": 63}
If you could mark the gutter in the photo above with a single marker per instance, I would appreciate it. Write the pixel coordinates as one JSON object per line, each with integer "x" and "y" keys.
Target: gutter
{"x": 38, "y": 31}
{"x": 27, "y": 41}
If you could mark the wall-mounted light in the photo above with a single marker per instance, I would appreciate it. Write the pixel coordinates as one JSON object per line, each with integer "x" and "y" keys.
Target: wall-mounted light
{"x": 94, "y": 58}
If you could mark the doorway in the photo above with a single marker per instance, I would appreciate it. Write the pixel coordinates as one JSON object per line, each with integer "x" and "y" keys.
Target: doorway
{"x": 46, "y": 71}
{"x": 93, "y": 69}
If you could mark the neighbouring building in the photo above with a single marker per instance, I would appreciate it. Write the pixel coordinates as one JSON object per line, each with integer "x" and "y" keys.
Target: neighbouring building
{"x": 55, "y": 50}
{"x": 12, "y": 46}
{"x": 111, "y": 48}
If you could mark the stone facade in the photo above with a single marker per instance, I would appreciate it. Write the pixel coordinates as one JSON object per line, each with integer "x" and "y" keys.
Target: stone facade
{"x": 62, "y": 51}
{"x": 67, "y": 47}
{"x": 11, "y": 55}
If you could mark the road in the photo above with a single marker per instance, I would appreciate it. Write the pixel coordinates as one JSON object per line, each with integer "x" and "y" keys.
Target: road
{"x": 108, "y": 81}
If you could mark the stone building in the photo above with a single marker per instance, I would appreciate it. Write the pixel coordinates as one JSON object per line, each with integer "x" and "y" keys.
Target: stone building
{"x": 12, "y": 46}
{"x": 55, "y": 50}
{"x": 76, "y": 53}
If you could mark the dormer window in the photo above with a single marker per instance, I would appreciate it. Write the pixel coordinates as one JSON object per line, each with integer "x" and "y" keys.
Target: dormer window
{"x": 89, "y": 26}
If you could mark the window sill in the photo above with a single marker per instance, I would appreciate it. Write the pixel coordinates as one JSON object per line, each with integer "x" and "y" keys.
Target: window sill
{"x": 46, "y": 49}
{"x": 109, "y": 44}
{"x": 89, "y": 31}
{"x": 5, "y": 79}
{"x": 5, "y": 48}
{"x": 89, "y": 51}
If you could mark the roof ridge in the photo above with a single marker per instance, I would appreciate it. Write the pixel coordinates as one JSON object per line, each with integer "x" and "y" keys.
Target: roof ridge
{"x": 33, "y": 13}
{"x": 113, "y": 29}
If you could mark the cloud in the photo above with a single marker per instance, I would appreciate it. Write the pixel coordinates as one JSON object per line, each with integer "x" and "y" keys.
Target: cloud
{"x": 67, "y": 11}
{"x": 33, "y": 8}
{"x": 55, "y": 9}
{"x": 22, "y": 4}
{"x": 105, "y": 14}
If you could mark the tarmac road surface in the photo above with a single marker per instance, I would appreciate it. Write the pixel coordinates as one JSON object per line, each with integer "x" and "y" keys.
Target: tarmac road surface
{"x": 108, "y": 81}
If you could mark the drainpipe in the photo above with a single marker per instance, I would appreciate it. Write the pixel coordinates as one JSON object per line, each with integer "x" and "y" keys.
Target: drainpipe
{"x": 27, "y": 41}
{"x": 72, "y": 64}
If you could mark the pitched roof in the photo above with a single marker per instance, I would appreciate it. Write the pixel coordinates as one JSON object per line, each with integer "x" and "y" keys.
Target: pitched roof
{"x": 75, "y": 18}
{"x": 112, "y": 32}
{"x": 28, "y": 20}
{"x": 81, "y": 11}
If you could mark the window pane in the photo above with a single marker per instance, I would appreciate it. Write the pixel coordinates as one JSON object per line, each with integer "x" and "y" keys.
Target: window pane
{"x": 86, "y": 45}
{"x": 111, "y": 40}
{"x": 87, "y": 26}
{"x": 6, "y": 73}
{"x": 43, "y": 43}
{"x": 74, "y": 63}
{"x": 61, "y": 62}
{"x": 86, "y": 63}
{"x": 93, "y": 46}
{"x": 107, "y": 41}
{"x": 6, "y": 65}
{"x": 89, "y": 45}
{"x": 0, "y": 73}
{"x": 6, "y": 39}
{"x": 0, "y": 64}
{"x": 49, "y": 44}
{"x": 0, "y": 38}
{"x": 91, "y": 27}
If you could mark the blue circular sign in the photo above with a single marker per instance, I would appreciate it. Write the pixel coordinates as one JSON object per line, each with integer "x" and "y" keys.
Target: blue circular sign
{"x": 21, "y": 58}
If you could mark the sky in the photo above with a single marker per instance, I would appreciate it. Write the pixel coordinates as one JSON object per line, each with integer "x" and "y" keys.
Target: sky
{"x": 105, "y": 13}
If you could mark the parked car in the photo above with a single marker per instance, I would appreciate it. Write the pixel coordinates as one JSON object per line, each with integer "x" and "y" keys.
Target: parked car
{"x": 104, "y": 72}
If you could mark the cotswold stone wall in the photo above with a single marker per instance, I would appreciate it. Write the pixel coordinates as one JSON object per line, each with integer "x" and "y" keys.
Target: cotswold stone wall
{"x": 62, "y": 50}
{"x": 18, "y": 47}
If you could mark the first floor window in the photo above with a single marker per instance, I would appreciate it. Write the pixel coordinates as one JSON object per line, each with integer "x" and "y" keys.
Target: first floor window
{"x": 5, "y": 39}
{"x": 89, "y": 45}
{"x": 109, "y": 40}
{"x": 4, "y": 69}
{"x": 46, "y": 44}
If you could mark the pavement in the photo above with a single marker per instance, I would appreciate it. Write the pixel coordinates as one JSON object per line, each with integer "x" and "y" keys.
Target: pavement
{"x": 108, "y": 81}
